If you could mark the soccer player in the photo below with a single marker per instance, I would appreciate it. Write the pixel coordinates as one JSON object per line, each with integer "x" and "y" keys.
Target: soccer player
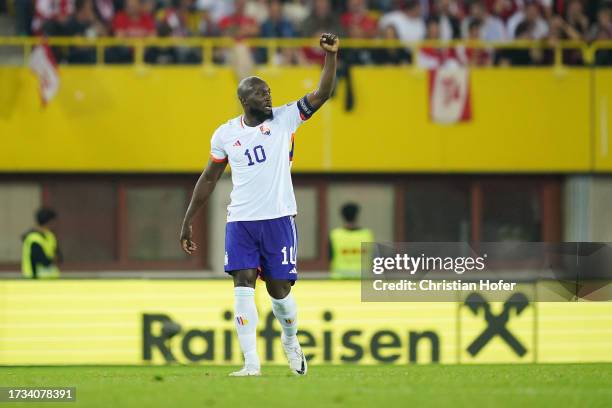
{"x": 260, "y": 235}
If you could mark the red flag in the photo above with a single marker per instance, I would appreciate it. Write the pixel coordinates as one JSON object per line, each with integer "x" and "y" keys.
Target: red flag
{"x": 42, "y": 63}
{"x": 449, "y": 95}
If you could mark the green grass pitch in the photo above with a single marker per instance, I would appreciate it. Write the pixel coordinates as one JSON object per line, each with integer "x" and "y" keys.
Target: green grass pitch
{"x": 554, "y": 385}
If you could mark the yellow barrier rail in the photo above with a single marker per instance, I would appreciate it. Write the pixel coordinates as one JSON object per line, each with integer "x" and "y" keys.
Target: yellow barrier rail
{"x": 207, "y": 45}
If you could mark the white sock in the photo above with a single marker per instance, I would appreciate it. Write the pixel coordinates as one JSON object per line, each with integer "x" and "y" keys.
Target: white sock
{"x": 246, "y": 319}
{"x": 285, "y": 311}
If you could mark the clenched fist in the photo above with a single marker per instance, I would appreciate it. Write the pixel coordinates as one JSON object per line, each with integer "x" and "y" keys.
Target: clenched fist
{"x": 329, "y": 42}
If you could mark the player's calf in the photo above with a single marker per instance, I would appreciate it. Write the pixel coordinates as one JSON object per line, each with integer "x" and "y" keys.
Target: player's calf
{"x": 246, "y": 318}
{"x": 285, "y": 311}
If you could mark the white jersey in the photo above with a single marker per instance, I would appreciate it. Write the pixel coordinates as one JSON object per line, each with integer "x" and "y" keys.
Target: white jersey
{"x": 260, "y": 158}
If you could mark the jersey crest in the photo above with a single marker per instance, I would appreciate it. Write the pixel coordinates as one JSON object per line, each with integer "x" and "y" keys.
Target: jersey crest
{"x": 265, "y": 130}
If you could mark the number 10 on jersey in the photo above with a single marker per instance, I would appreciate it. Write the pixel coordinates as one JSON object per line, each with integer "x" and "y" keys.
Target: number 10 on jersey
{"x": 292, "y": 256}
{"x": 260, "y": 155}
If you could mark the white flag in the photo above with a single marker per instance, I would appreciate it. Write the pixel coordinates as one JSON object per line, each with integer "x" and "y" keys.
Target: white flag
{"x": 449, "y": 95}
{"x": 43, "y": 64}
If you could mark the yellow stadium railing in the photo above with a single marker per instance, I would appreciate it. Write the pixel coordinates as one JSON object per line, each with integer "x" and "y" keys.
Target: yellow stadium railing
{"x": 207, "y": 45}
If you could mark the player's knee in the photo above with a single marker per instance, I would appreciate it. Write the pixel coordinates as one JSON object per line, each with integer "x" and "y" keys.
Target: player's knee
{"x": 278, "y": 289}
{"x": 245, "y": 278}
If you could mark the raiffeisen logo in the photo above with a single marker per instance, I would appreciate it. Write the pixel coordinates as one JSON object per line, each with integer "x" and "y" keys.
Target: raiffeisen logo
{"x": 422, "y": 263}
{"x": 161, "y": 334}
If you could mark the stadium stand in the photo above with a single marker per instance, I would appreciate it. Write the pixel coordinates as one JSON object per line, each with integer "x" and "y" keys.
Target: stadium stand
{"x": 545, "y": 21}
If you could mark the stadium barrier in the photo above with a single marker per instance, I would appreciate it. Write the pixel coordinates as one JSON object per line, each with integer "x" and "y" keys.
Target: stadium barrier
{"x": 207, "y": 45}
{"x": 191, "y": 322}
{"x": 139, "y": 119}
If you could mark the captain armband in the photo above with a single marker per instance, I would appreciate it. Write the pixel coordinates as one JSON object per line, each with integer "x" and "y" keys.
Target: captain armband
{"x": 306, "y": 110}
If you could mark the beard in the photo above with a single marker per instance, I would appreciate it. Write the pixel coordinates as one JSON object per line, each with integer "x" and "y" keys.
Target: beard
{"x": 261, "y": 115}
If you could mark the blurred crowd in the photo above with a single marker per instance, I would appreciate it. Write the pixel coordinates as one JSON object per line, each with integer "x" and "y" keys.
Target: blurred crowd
{"x": 546, "y": 21}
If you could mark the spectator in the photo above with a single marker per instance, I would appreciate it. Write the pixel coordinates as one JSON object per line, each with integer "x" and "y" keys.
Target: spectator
{"x": 531, "y": 14}
{"x": 503, "y": 9}
{"x": 357, "y": 21}
{"x": 391, "y": 56}
{"x": 577, "y": 20}
{"x": 23, "y": 17}
{"x": 560, "y": 30}
{"x": 431, "y": 57}
{"x": 602, "y": 31}
{"x": 216, "y": 9}
{"x": 238, "y": 24}
{"x": 206, "y": 25}
{"x": 175, "y": 21}
{"x": 490, "y": 27}
{"x": 477, "y": 57}
{"x": 407, "y": 23}
{"x": 296, "y": 11}
{"x": 321, "y": 20}
{"x": 135, "y": 21}
{"x": 258, "y": 10}
{"x": 546, "y": 8}
{"x": 83, "y": 24}
{"x": 448, "y": 19}
{"x": 518, "y": 56}
{"x": 277, "y": 26}
{"x": 48, "y": 14}
{"x": 592, "y": 7}
{"x": 105, "y": 12}
{"x": 383, "y": 6}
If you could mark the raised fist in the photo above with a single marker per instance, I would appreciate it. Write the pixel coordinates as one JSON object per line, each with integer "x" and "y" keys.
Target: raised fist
{"x": 329, "y": 42}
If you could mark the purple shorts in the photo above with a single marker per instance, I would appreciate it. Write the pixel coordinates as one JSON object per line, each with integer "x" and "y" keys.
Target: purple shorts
{"x": 267, "y": 245}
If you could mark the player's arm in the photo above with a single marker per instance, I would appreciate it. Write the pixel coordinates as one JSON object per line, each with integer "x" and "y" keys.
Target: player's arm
{"x": 330, "y": 43}
{"x": 203, "y": 189}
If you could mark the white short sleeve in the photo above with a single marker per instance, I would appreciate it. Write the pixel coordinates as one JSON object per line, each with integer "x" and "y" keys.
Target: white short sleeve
{"x": 217, "y": 151}
{"x": 294, "y": 118}
{"x": 295, "y": 113}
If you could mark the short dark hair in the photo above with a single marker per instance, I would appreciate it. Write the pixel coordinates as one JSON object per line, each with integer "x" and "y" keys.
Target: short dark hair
{"x": 474, "y": 23}
{"x": 349, "y": 212}
{"x": 522, "y": 28}
{"x": 44, "y": 215}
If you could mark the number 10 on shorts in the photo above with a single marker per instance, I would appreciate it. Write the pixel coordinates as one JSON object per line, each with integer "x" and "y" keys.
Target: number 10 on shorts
{"x": 292, "y": 256}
